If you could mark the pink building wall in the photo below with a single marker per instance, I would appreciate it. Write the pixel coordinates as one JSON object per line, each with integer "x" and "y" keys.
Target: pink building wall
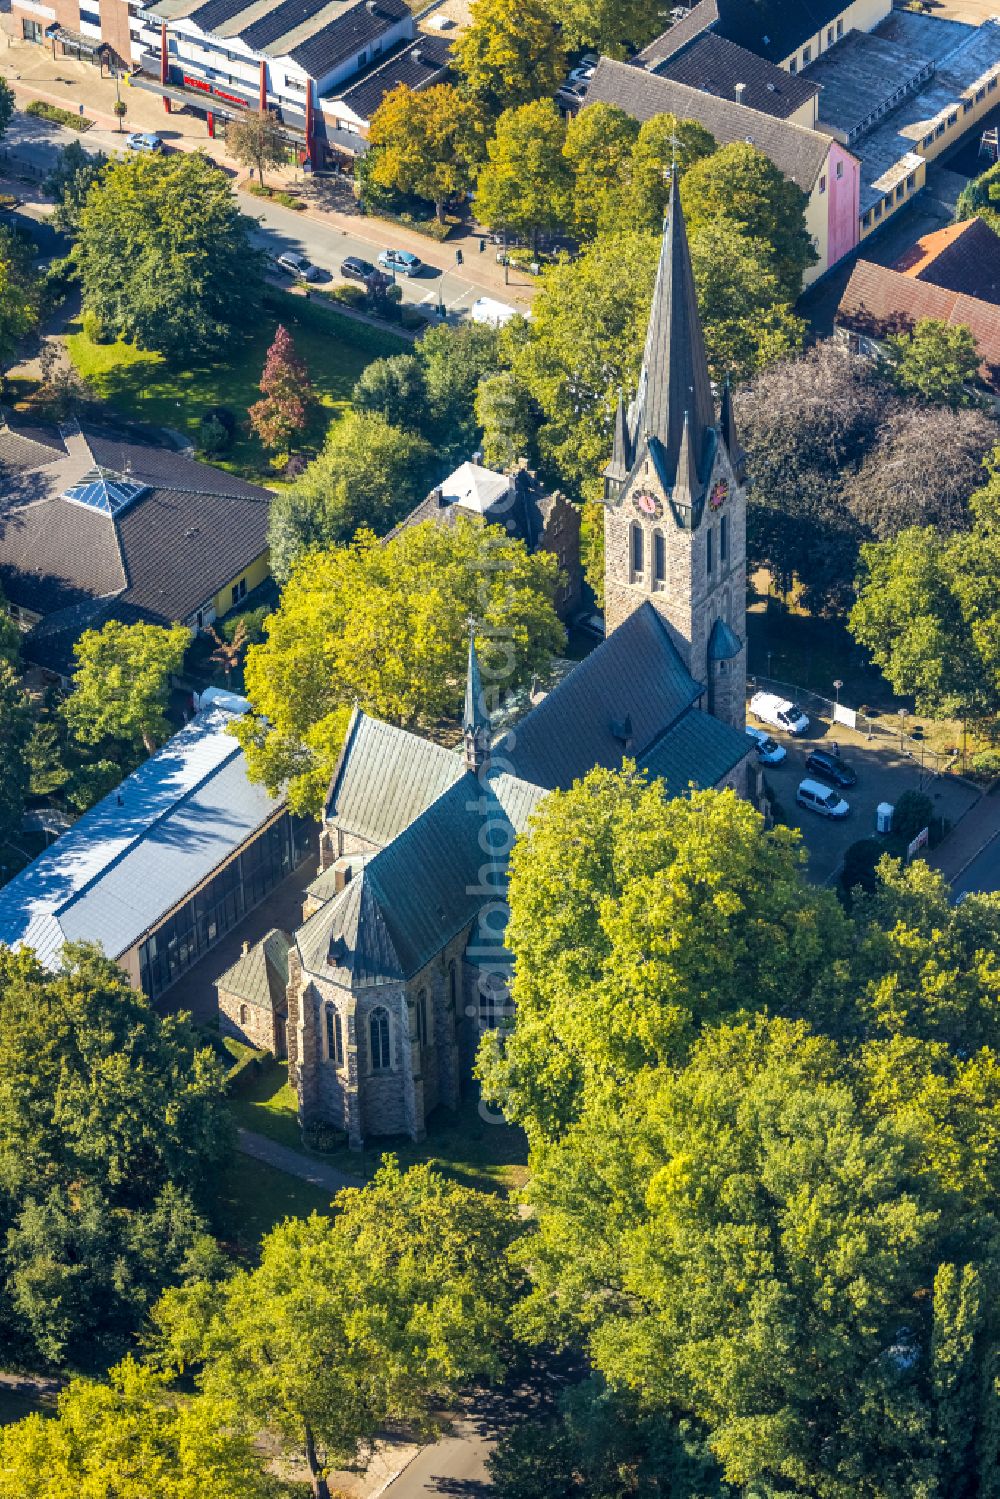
{"x": 843, "y": 200}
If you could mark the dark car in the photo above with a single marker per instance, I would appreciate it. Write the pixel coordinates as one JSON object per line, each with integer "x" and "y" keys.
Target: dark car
{"x": 831, "y": 768}
{"x": 356, "y": 269}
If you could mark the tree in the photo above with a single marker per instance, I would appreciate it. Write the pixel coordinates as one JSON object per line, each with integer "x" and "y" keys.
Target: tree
{"x": 284, "y": 383}
{"x": 351, "y": 1322}
{"x": 508, "y": 418}
{"x": 524, "y": 187}
{"x": 746, "y": 318}
{"x": 615, "y": 27}
{"x": 164, "y": 255}
{"x": 69, "y": 182}
{"x": 936, "y": 361}
{"x": 510, "y": 53}
{"x": 738, "y": 182}
{"x": 924, "y": 464}
{"x": 15, "y": 737}
{"x": 426, "y": 142}
{"x": 600, "y": 141}
{"x": 8, "y": 103}
{"x": 665, "y": 144}
{"x": 254, "y": 137}
{"x": 121, "y": 683}
{"x": 393, "y": 388}
{"x": 634, "y": 921}
{"x": 368, "y": 474}
{"x": 121, "y": 1437}
{"x": 454, "y": 361}
{"x": 363, "y": 624}
{"x": 113, "y": 1127}
{"x": 980, "y": 198}
{"x": 20, "y": 290}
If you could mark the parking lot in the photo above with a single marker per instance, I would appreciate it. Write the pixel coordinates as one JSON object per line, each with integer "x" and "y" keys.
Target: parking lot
{"x": 884, "y": 772}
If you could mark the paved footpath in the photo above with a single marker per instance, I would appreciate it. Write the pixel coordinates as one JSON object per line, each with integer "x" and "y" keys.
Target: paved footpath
{"x": 294, "y": 1163}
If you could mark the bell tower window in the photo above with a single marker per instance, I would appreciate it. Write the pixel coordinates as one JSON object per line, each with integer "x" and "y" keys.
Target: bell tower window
{"x": 659, "y": 557}
{"x": 724, "y": 539}
{"x": 638, "y": 551}
{"x": 709, "y": 553}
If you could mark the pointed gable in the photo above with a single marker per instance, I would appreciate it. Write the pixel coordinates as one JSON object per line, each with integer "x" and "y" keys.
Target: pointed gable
{"x": 674, "y": 385}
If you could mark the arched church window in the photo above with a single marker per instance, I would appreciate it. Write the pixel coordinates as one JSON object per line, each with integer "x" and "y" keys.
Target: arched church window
{"x": 724, "y": 539}
{"x": 244, "y": 1014}
{"x": 637, "y": 550}
{"x": 709, "y": 552}
{"x": 453, "y": 983}
{"x": 422, "y": 1018}
{"x": 659, "y": 557}
{"x": 334, "y": 1036}
{"x": 378, "y": 1031}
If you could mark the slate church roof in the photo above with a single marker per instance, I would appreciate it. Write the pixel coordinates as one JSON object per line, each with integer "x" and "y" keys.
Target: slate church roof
{"x": 260, "y": 975}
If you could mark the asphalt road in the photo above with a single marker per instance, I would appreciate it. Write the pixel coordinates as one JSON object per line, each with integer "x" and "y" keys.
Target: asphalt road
{"x": 983, "y": 874}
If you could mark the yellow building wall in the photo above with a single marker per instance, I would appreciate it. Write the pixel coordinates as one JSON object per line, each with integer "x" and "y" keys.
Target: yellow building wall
{"x": 818, "y": 224}
{"x": 930, "y": 140}
{"x": 256, "y": 573}
{"x": 807, "y": 113}
{"x": 860, "y": 15}
{"x": 919, "y": 178}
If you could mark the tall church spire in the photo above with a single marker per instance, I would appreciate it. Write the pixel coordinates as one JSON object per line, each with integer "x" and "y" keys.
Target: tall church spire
{"x": 475, "y": 720}
{"x": 674, "y": 382}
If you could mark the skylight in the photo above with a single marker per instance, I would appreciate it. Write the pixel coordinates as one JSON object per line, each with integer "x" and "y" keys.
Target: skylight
{"x": 104, "y": 490}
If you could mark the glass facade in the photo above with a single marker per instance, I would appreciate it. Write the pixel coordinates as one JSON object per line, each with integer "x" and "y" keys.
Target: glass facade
{"x": 216, "y": 908}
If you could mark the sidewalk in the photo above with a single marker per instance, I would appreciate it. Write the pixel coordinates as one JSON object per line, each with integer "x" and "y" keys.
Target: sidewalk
{"x": 970, "y": 836}
{"x": 294, "y": 1162}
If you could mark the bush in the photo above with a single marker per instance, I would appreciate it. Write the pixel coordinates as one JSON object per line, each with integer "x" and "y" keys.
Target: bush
{"x": 212, "y": 436}
{"x": 252, "y": 621}
{"x": 97, "y": 331}
{"x": 351, "y": 296}
{"x": 288, "y": 200}
{"x": 295, "y": 467}
{"x": 860, "y": 862}
{"x": 913, "y": 811}
{"x": 412, "y": 317}
{"x": 57, "y": 115}
{"x": 324, "y": 1137}
{"x": 987, "y": 763}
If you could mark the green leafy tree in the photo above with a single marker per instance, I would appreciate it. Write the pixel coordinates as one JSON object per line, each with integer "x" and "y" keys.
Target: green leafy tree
{"x": 121, "y": 683}
{"x": 369, "y": 474}
{"x": 524, "y": 187}
{"x": 455, "y": 360}
{"x": 936, "y": 361}
{"x": 164, "y": 255}
{"x": 126, "y": 1435}
{"x": 348, "y": 1323}
{"x": 615, "y": 27}
{"x": 362, "y": 624}
{"x": 665, "y": 144}
{"x": 426, "y": 142}
{"x": 510, "y": 53}
{"x": 16, "y": 725}
{"x": 20, "y": 290}
{"x": 980, "y": 198}
{"x": 746, "y": 319}
{"x": 634, "y": 921}
{"x": 8, "y": 103}
{"x": 255, "y": 139}
{"x": 739, "y": 183}
{"x": 69, "y": 182}
{"x": 508, "y": 418}
{"x": 282, "y": 413}
{"x": 113, "y": 1127}
{"x": 393, "y": 388}
{"x": 600, "y": 142}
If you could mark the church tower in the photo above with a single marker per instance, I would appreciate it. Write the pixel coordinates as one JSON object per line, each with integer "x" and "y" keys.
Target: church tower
{"x": 675, "y": 493}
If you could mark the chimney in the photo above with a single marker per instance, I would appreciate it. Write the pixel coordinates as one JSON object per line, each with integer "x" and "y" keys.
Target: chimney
{"x": 416, "y": 55}
{"x": 741, "y": 89}
{"x": 437, "y": 495}
{"x": 341, "y": 877}
{"x": 246, "y": 948}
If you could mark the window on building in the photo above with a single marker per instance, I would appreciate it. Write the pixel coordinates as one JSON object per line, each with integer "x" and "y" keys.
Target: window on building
{"x": 793, "y": 67}
{"x": 362, "y": 59}
{"x": 953, "y": 119}
{"x": 453, "y": 984}
{"x": 966, "y": 106}
{"x": 840, "y": 28}
{"x": 928, "y": 140}
{"x": 378, "y": 1031}
{"x": 980, "y": 93}
{"x": 806, "y": 56}
{"x": 822, "y": 184}
{"x": 888, "y": 203}
{"x": 637, "y": 551}
{"x": 866, "y": 220}
{"x": 840, "y": 170}
{"x": 991, "y": 85}
{"x": 239, "y": 590}
{"x": 659, "y": 557}
{"x": 877, "y": 211}
{"x": 940, "y": 129}
{"x": 709, "y": 552}
{"x": 334, "y": 1036}
{"x": 92, "y": 17}
{"x": 724, "y": 539}
{"x": 244, "y": 1014}
{"x": 829, "y": 36}
{"x": 422, "y": 1019}
{"x": 910, "y": 181}
{"x": 32, "y": 31}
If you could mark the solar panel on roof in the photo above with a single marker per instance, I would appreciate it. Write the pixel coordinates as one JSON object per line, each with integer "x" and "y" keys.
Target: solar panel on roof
{"x": 107, "y": 492}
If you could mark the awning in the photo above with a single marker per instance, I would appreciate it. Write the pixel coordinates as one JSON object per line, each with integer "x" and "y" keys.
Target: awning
{"x": 93, "y": 46}
{"x": 345, "y": 140}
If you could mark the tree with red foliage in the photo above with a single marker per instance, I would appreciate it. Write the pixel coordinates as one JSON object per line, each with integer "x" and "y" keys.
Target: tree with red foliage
{"x": 287, "y": 392}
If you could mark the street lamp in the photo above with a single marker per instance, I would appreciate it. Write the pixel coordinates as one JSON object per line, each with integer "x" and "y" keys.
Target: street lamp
{"x": 904, "y": 714}
{"x": 836, "y": 690}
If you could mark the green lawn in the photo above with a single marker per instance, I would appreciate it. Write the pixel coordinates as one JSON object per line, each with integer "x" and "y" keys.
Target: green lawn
{"x": 254, "y": 1197}
{"x": 463, "y": 1145}
{"x": 142, "y": 384}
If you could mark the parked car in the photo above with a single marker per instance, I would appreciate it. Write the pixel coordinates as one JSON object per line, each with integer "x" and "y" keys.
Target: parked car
{"x": 831, "y": 768}
{"x": 574, "y": 88}
{"x": 769, "y": 751}
{"x": 582, "y": 74}
{"x": 768, "y": 707}
{"x": 143, "y": 140}
{"x": 495, "y": 314}
{"x": 819, "y": 798}
{"x": 401, "y": 261}
{"x": 297, "y": 266}
{"x": 356, "y": 269}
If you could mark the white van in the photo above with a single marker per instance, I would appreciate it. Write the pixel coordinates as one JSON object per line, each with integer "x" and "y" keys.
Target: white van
{"x": 496, "y": 314}
{"x": 819, "y": 798}
{"x": 768, "y": 707}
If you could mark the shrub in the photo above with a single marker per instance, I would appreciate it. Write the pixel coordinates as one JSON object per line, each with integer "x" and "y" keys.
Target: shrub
{"x": 351, "y": 296}
{"x": 57, "y": 115}
{"x": 860, "y": 862}
{"x": 987, "y": 763}
{"x": 97, "y": 331}
{"x": 913, "y": 811}
{"x": 412, "y": 317}
{"x": 212, "y": 436}
{"x": 295, "y": 467}
{"x": 288, "y": 200}
{"x": 321, "y": 1136}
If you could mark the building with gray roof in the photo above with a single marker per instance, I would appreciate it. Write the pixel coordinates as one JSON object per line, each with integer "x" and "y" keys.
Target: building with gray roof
{"x": 401, "y": 963}
{"x": 160, "y": 869}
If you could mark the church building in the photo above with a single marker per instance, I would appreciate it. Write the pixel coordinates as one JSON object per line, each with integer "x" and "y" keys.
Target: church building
{"x": 400, "y": 965}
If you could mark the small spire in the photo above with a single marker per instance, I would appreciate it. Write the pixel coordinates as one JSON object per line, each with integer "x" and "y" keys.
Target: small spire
{"x": 687, "y": 490}
{"x": 475, "y": 720}
{"x": 621, "y": 454}
{"x": 727, "y": 427}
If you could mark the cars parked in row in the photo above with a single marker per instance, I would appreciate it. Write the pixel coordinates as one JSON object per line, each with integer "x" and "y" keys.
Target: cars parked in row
{"x": 402, "y": 262}
{"x": 820, "y": 799}
{"x": 356, "y": 269}
{"x": 832, "y": 768}
{"x": 297, "y": 265}
{"x": 769, "y": 751}
{"x": 768, "y": 707}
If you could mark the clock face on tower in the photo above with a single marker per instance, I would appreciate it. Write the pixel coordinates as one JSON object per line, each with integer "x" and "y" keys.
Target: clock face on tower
{"x": 647, "y": 504}
{"x": 719, "y": 495}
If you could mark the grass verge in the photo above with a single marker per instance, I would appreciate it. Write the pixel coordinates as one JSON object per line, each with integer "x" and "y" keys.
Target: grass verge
{"x": 254, "y": 1197}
